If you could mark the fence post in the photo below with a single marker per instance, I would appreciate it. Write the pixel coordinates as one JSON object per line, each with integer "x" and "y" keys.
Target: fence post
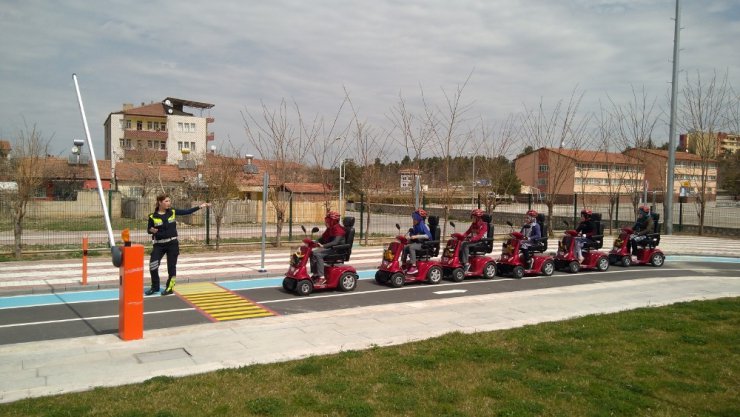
{"x": 84, "y": 259}
{"x": 208, "y": 225}
{"x": 362, "y": 211}
{"x": 575, "y": 208}
{"x": 616, "y": 215}
{"x": 529, "y": 202}
{"x": 479, "y": 200}
{"x": 290, "y": 216}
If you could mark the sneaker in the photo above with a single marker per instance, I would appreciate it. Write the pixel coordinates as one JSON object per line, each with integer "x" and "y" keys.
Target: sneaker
{"x": 151, "y": 291}
{"x": 412, "y": 270}
{"x": 170, "y": 285}
{"x": 467, "y": 268}
{"x": 166, "y": 292}
{"x": 320, "y": 280}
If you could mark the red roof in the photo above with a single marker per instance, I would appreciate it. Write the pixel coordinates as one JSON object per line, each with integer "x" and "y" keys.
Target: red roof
{"x": 307, "y": 187}
{"x": 582, "y": 155}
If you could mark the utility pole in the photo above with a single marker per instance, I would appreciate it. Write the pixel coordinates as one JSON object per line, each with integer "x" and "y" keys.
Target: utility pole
{"x": 668, "y": 200}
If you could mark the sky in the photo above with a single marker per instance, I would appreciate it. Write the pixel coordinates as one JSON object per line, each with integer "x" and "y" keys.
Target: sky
{"x": 239, "y": 54}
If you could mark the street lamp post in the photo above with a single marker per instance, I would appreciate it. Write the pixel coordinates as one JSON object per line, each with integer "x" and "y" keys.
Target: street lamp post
{"x": 474, "y": 155}
{"x": 342, "y": 174}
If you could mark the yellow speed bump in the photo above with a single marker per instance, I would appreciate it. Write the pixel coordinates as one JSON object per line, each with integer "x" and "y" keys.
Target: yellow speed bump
{"x": 220, "y": 304}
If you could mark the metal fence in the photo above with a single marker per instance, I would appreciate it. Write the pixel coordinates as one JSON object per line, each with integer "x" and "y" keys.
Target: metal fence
{"x": 61, "y": 225}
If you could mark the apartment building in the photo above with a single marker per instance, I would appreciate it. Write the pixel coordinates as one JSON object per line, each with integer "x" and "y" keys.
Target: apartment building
{"x": 159, "y": 132}
{"x": 714, "y": 144}
{"x": 571, "y": 171}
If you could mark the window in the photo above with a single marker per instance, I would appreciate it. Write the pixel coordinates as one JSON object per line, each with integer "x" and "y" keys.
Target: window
{"x": 125, "y": 143}
{"x": 163, "y": 145}
{"x": 128, "y": 124}
{"x": 542, "y": 181}
{"x": 543, "y": 168}
{"x": 139, "y": 125}
{"x": 192, "y": 146}
{"x": 179, "y": 127}
{"x": 149, "y": 125}
{"x": 179, "y": 146}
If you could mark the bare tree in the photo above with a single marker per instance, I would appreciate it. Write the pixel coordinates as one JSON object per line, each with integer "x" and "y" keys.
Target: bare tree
{"x": 635, "y": 123}
{"x": 369, "y": 151}
{"x": 559, "y": 128}
{"x": 495, "y": 169}
{"x": 220, "y": 176}
{"x": 281, "y": 146}
{"x": 618, "y": 168}
{"x": 445, "y": 126}
{"x": 27, "y": 170}
{"x": 703, "y": 112}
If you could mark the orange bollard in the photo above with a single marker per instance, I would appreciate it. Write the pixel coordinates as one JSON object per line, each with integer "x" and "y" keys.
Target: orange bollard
{"x": 84, "y": 260}
{"x": 131, "y": 293}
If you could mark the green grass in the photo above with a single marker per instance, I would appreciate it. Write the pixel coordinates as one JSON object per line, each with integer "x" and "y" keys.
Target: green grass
{"x": 680, "y": 360}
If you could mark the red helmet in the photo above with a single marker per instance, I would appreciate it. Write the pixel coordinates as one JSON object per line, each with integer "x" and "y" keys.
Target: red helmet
{"x": 532, "y": 213}
{"x": 586, "y": 213}
{"x": 477, "y": 213}
{"x": 422, "y": 213}
{"x": 331, "y": 214}
{"x": 645, "y": 209}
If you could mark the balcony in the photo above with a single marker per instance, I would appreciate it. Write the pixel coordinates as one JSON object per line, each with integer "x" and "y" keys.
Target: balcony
{"x": 211, "y": 136}
{"x": 144, "y": 134}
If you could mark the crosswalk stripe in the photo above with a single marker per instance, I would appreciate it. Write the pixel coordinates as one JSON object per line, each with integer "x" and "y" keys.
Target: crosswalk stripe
{"x": 220, "y": 304}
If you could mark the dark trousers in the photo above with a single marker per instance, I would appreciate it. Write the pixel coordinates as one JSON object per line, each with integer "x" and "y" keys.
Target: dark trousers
{"x": 159, "y": 250}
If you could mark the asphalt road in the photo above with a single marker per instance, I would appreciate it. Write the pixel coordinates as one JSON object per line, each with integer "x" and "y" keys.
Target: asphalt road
{"x": 70, "y": 315}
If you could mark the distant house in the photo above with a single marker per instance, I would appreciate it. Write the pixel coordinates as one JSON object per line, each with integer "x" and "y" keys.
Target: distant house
{"x": 687, "y": 172}
{"x": 408, "y": 178}
{"x": 5, "y": 149}
{"x": 571, "y": 171}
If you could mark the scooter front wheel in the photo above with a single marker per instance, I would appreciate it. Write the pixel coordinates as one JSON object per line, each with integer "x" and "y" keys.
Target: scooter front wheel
{"x": 458, "y": 275}
{"x": 381, "y": 277}
{"x": 289, "y": 284}
{"x": 304, "y": 287}
{"x": 397, "y": 280}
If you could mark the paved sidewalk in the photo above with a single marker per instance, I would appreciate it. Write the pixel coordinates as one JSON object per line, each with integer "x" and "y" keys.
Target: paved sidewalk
{"x": 59, "y": 366}
{"x": 66, "y": 275}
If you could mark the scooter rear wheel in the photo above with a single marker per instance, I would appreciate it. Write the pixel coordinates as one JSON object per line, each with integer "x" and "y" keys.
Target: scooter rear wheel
{"x": 602, "y": 264}
{"x": 347, "y": 282}
{"x": 574, "y": 267}
{"x": 489, "y": 270}
{"x": 657, "y": 259}
{"x": 548, "y": 267}
{"x": 434, "y": 275}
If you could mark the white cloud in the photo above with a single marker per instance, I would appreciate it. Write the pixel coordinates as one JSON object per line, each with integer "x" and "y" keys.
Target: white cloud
{"x": 235, "y": 54}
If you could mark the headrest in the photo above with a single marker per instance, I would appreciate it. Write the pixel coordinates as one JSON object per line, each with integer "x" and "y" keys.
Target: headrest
{"x": 596, "y": 217}
{"x": 348, "y": 221}
{"x": 541, "y": 218}
{"x": 433, "y": 221}
{"x": 487, "y": 218}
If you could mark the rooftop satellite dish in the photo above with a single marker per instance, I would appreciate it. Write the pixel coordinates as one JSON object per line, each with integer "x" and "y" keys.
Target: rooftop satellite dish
{"x": 167, "y": 103}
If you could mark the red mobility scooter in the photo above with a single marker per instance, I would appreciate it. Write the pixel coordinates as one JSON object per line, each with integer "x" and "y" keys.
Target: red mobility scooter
{"x": 511, "y": 262}
{"x": 480, "y": 264}
{"x": 392, "y": 272}
{"x": 338, "y": 275}
{"x": 566, "y": 258}
{"x": 647, "y": 250}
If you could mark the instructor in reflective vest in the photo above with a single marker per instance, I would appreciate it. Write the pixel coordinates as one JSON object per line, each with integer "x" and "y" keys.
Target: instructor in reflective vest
{"x": 163, "y": 228}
